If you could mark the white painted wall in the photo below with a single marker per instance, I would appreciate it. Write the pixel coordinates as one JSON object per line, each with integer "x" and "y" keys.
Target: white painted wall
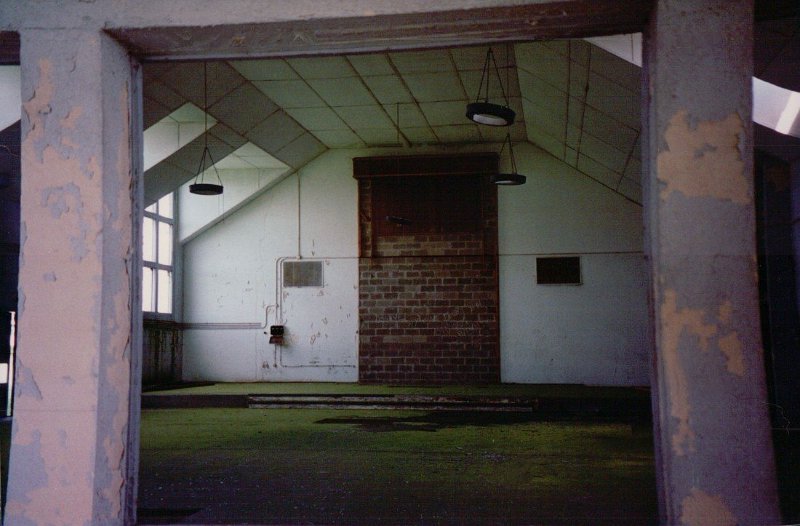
{"x": 231, "y": 278}
{"x": 592, "y": 333}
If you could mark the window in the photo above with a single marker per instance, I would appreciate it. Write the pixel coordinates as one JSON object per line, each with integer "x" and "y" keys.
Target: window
{"x": 157, "y": 250}
{"x": 558, "y": 270}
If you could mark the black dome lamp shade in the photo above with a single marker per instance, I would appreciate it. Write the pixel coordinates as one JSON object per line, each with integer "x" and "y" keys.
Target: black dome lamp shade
{"x": 201, "y": 188}
{"x": 483, "y": 111}
{"x": 508, "y": 179}
{"x": 206, "y": 161}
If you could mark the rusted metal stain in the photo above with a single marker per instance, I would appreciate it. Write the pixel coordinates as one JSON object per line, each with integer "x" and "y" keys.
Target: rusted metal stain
{"x": 702, "y": 509}
{"x": 704, "y": 160}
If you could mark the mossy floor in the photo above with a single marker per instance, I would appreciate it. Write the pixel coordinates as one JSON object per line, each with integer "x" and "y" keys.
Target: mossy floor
{"x": 284, "y": 466}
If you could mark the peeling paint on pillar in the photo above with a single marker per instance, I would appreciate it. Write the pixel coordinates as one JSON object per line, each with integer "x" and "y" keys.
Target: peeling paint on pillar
{"x": 704, "y": 160}
{"x": 75, "y": 328}
{"x": 117, "y": 317}
{"x": 714, "y": 455}
{"x": 702, "y": 509}
{"x": 678, "y": 323}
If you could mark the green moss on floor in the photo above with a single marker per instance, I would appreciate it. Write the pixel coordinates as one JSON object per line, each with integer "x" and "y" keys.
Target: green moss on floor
{"x": 394, "y": 467}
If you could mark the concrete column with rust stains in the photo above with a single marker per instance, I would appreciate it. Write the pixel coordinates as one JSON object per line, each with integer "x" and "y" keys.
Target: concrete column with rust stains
{"x": 70, "y": 430}
{"x": 713, "y": 444}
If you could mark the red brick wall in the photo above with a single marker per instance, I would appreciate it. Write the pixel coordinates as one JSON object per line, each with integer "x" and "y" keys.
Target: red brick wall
{"x": 428, "y": 300}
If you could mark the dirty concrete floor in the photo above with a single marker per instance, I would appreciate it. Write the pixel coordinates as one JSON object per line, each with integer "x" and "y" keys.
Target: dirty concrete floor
{"x": 350, "y": 467}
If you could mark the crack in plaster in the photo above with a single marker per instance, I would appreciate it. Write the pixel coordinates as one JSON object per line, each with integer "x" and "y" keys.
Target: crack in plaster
{"x": 704, "y": 160}
{"x": 701, "y": 509}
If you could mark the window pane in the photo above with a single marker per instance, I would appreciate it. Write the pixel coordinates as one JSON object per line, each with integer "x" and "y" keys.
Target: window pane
{"x": 149, "y": 240}
{"x": 165, "y": 206}
{"x": 165, "y": 291}
{"x": 164, "y": 243}
{"x": 151, "y": 208}
{"x": 147, "y": 290}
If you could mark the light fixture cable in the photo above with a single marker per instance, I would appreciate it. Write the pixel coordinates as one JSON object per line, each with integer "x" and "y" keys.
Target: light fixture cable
{"x": 199, "y": 187}
{"x": 483, "y": 111}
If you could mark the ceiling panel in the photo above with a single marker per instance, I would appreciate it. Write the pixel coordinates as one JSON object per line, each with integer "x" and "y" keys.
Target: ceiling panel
{"x": 342, "y": 92}
{"x": 474, "y": 57}
{"x": 458, "y": 133}
{"x": 371, "y": 65}
{"x": 420, "y": 135}
{"x": 290, "y": 93}
{"x": 547, "y": 142}
{"x": 388, "y": 89}
{"x": 432, "y": 61}
{"x": 609, "y": 130}
{"x": 275, "y": 132}
{"x": 628, "y": 75}
{"x": 574, "y": 133}
{"x": 379, "y": 136}
{"x": 603, "y": 153}
{"x": 631, "y": 189}
{"x": 541, "y": 92}
{"x": 634, "y": 169}
{"x": 597, "y": 171}
{"x": 301, "y": 150}
{"x": 409, "y": 115}
{"x": 187, "y": 79}
{"x": 243, "y": 108}
{"x": 152, "y": 112}
{"x": 358, "y": 117}
{"x": 317, "y": 119}
{"x": 188, "y": 157}
{"x": 264, "y": 69}
{"x": 159, "y": 92}
{"x": 339, "y": 138}
{"x": 474, "y": 82}
{"x": 549, "y": 118}
{"x": 571, "y": 156}
{"x": 322, "y": 67}
{"x": 543, "y": 63}
{"x": 227, "y": 135}
{"x": 444, "y": 113}
{"x": 498, "y": 133}
{"x": 431, "y": 87}
{"x": 614, "y": 100}
{"x": 164, "y": 178}
{"x": 294, "y": 108}
{"x": 257, "y": 158}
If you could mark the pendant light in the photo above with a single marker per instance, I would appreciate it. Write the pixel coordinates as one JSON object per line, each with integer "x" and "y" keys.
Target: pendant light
{"x": 206, "y": 161}
{"x": 512, "y": 178}
{"x": 483, "y": 111}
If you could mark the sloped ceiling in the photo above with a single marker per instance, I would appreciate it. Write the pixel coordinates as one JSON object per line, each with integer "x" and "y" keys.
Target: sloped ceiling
{"x": 576, "y": 101}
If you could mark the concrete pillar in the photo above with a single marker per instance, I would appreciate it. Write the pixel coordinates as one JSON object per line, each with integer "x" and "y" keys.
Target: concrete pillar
{"x": 70, "y": 450}
{"x": 713, "y": 439}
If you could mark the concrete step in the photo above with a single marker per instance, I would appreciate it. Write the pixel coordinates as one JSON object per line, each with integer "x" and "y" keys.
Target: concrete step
{"x": 549, "y": 407}
{"x": 411, "y": 402}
